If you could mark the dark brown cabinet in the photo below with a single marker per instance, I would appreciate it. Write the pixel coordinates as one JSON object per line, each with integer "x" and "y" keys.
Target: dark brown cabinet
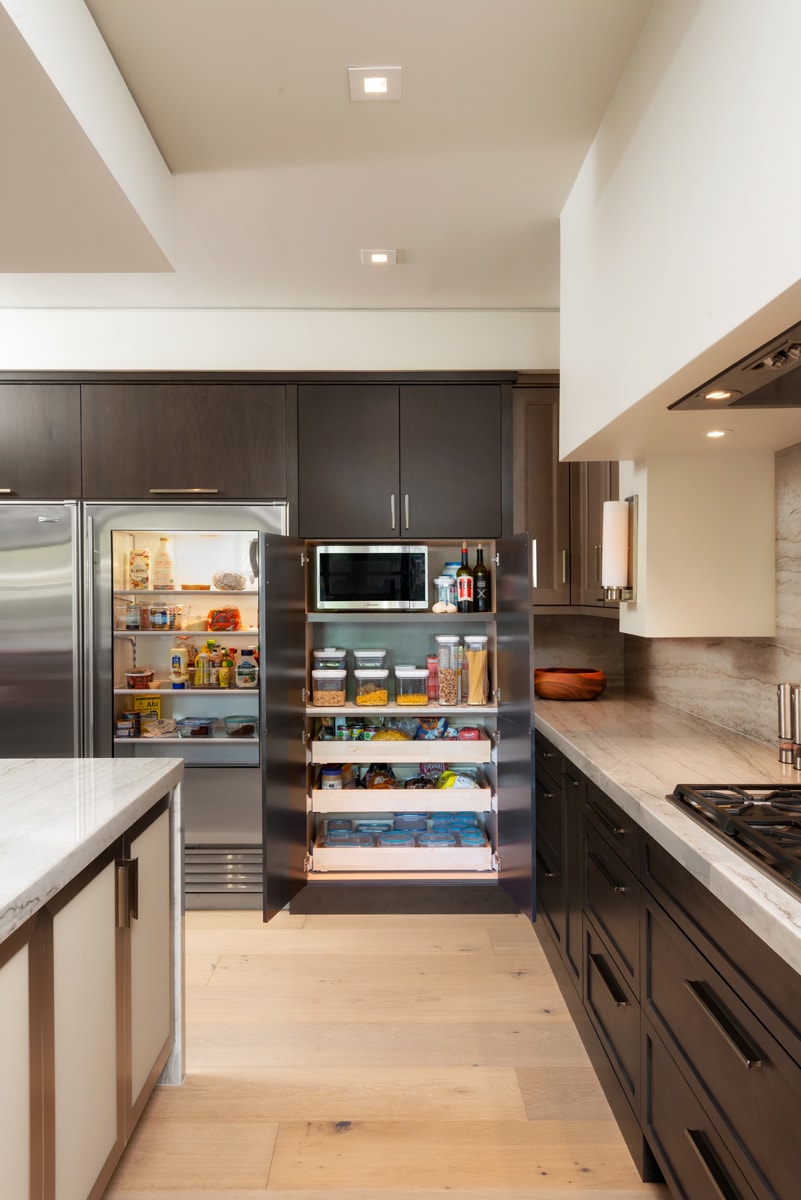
{"x": 40, "y": 441}
{"x": 559, "y": 504}
{"x": 143, "y": 440}
{"x": 382, "y": 460}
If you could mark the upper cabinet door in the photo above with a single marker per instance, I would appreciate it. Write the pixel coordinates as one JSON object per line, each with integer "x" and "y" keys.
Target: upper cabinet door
{"x": 542, "y": 492}
{"x": 348, "y": 461}
{"x": 416, "y": 461}
{"x": 450, "y": 460}
{"x": 145, "y": 440}
{"x": 40, "y": 441}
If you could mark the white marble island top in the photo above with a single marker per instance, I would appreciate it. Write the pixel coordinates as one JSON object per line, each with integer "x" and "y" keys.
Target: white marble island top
{"x": 637, "y": 751}
{"x": 57, "y": 815}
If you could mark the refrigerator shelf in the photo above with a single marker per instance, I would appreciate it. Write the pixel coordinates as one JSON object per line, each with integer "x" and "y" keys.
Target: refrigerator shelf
{"x": 241, "y": 693}
{"x": 199, "y": 633}
{"x": 195, "y": 741}
{"x": 183, "y": 592}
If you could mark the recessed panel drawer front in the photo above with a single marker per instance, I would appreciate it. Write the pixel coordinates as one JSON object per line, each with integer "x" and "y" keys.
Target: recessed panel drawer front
{"x": 550, "y": 891}
{"x": 550, "y": 815}
{"x": 743, "y": 1072}
{"x": 614, "y": 1011}
{"x": 611, "y": 899}
{"x": 693, "y": 1157}
{"x": 618, "y": 829}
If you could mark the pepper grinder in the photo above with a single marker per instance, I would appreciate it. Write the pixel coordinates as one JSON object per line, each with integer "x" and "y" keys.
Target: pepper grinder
{"x": 795, "y": 724}
{"x": 784, "y": 691}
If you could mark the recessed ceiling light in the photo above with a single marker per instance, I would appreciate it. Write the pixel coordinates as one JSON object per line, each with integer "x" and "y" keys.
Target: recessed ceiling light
{"x": 374, "y": 83}
{"x": 720, "y": 394}
{"x": 716, "y": 433}
{"x": 376, "y": 258}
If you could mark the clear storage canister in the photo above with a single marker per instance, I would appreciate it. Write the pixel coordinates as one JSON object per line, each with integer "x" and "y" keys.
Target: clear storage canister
{"x": 371, "y": 687}
{"x": 477, "y": 676}
{"x": 411, "y": 686}
{"x": 447, "y": 669}
{"x": 329, "y": 658}
{"x": 328, "y": 688}
{"x": 366, "y": 660}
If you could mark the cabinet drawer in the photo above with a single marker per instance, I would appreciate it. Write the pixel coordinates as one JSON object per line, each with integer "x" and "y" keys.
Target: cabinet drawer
{"x": 611, "y": 899}
{"x": 619, "y": 830}
{"x": 550, "y": 815}
{"x": 732, "y": 1059}
{"x": 693, "y": 1158}
{"x": 550, "y": 891}
{"x": 547, "y": 758}
{"x": 614, "y": 1011}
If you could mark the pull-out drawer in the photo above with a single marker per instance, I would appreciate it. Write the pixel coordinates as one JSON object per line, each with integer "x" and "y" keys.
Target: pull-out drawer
{"x": 550, "y": 815}
{"x": 694, "y": 1159}
{"x": 550, "y": 890}
{"x": 619, "y": 830}
{"x": 611, "y": 899}
{"x": 737, "y": 1066}
{"x": 614, "y": 1011}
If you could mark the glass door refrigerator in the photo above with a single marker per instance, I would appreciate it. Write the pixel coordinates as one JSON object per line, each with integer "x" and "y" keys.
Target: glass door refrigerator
{"x": 175, "y": 622}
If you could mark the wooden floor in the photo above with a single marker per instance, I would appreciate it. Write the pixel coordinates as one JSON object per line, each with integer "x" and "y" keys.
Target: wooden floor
{"x": 380, "y": 1057}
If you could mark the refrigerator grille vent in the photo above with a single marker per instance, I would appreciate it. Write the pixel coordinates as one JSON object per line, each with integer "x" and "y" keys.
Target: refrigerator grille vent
{"x": 222, "y": 876}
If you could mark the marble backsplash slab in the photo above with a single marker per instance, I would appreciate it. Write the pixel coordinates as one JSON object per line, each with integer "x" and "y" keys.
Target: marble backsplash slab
{"x": 731, "y": 681}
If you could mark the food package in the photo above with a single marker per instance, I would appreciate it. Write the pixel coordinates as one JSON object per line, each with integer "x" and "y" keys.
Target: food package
{"x": 224, "y": 620}
{"x": 455, "y": 779}
{"x": 380, "y": 775}
{"x": 228, "y": 581}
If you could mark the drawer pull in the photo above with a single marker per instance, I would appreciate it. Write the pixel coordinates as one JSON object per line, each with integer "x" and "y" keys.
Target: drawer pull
{"x": 608, "y": 980}
{"x": 724, "y": 1022}
{"x": 543, "y": 870}
{"x": 550, "y": 795}
{"x": 606, "y": 821}
{"x": 619, "y": 888}
{"x": 718, "y": 1177}
{"x": 569, "y": 779}
{"x": 184, "y": 491}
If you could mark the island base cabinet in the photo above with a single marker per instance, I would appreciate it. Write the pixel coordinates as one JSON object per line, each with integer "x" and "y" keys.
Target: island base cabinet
{"x": 86, "y": 1118}
{"x": 15, "y": 1078}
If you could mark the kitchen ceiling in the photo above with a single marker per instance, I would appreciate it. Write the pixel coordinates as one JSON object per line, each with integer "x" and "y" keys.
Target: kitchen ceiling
{"x": 278, "y": 180}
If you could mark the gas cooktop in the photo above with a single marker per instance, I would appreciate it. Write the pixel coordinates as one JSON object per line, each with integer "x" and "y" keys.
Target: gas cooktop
{"x": 762, "y": 821}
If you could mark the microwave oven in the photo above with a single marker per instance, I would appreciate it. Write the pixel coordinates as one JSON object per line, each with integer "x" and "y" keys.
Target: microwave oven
{"x": 363, "y": 578}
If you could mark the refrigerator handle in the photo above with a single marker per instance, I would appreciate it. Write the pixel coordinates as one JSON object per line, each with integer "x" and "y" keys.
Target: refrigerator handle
{"x": 88, "y": 592}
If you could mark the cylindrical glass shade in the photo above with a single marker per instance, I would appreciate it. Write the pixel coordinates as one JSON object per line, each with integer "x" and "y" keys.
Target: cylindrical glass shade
{"x": 615, "y": 551}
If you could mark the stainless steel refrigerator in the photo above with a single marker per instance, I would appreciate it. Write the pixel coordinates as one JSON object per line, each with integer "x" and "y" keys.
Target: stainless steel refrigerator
{"x": 130, "y": 630}
{"x": 41, "y": 711}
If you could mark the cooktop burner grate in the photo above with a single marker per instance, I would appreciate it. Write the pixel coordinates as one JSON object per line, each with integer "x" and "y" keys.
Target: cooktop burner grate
{"x": 762, "y": 821}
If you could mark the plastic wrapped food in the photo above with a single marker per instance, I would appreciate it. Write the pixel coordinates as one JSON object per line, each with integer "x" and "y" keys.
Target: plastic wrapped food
{"x": 224, "y": 620}
{"x": 228, "y": 581}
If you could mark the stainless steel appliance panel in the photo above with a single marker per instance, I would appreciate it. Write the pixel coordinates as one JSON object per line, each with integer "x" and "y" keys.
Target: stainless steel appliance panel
{"x": 40, "y": 650}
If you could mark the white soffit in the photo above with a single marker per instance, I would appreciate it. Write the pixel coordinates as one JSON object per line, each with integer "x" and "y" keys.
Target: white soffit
{"x": 86, "y": 188}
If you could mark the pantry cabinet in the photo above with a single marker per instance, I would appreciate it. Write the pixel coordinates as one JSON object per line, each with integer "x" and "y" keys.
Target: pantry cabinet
{"x": 157, "y": 440}
{"x": 560, "y": 504}
{"x": 411, "y": 460}
{"x": 40, "y": 442}
{"x": 493, "y": 748}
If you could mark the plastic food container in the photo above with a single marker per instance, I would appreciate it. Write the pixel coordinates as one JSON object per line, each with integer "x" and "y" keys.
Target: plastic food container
{"x": 411, "y": 685}
{"x": 413, "y": 822}
{"x": 436, "y": 839}
{"x": 139, "y": 679}
{"x": 371, "y": 687}
{"x": 446, "y": 593}
{"x": 240, "y": 727}
{"x": 126, "y": 614}
{"x": 160, "y": 616}
{"x": 328, "y": 688}
{"x": 196, "y": 727}
{"x": 395, "y": 837}
{"x": 448, "y": 671}
{"x": 329, "y": 658}
{"x": 365, "y": 660}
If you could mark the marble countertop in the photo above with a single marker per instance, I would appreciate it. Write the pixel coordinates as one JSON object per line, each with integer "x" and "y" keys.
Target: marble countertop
{"x": 57, "y": 815}
{"x": 637, "y": 751}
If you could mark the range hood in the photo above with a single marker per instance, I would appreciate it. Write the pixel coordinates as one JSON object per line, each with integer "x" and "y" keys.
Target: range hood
{"x": 766, "y": 378}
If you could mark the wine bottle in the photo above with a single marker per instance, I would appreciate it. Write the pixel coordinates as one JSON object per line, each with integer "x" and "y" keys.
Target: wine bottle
{"x": 464, "y": 584}
{"x": 481, "y": 582}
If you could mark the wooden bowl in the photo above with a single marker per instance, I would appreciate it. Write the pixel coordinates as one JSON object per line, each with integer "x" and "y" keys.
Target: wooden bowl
{"x": 568, "y": 683}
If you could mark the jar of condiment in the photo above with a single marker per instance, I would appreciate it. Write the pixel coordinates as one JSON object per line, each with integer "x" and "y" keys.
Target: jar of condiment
{"x": 330, "y": 778}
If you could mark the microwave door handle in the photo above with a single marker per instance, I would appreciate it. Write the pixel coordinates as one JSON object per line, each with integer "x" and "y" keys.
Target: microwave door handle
{"x": 392, "y": 509}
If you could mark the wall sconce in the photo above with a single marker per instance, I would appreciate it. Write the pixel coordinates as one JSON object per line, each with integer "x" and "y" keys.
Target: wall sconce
{"x": 619, "y": 549}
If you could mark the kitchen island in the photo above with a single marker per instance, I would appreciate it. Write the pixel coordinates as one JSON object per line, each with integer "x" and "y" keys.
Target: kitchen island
{"x": 678, "y": 957}
{"x": 91, "y": 979}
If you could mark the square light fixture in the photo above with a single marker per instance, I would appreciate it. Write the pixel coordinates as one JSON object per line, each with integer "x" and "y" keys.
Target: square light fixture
{"x": 374, "y": 83}
{"x": 379, "y": 258}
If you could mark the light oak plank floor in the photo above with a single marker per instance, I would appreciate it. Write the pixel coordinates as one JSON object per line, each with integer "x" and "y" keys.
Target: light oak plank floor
{"x": 376, "y": 1058}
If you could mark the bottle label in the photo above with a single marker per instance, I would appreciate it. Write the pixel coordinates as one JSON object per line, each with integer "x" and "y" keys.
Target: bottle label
{"x": 464, "y": 588}
{"x": 481, "y": 594}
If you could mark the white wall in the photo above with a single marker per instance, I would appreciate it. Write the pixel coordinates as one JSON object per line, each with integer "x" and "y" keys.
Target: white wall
{"x": 265, "y": 340}
{"x": 681, "y": 239}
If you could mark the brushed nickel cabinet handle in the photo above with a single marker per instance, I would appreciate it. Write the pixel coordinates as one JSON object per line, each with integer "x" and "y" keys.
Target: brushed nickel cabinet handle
{"x": 564, "y": 566}
{"x": 184, "y": 491}
{"x": 406, "y": 509}
{"x": 608, "y": 980}
{"x": 619, "y": 889}
{"x": 392, "y": 510}
{"x": 7, "y": 491}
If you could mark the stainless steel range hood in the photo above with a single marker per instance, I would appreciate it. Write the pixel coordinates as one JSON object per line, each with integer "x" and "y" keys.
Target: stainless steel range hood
{"x": 766, "y": 378}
